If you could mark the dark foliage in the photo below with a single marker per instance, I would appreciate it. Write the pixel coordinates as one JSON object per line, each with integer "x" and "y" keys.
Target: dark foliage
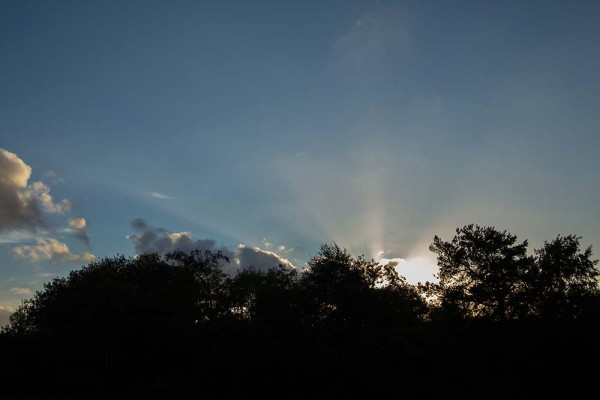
{"x": 176, "y": 326}
{"x": 482, "y": 273}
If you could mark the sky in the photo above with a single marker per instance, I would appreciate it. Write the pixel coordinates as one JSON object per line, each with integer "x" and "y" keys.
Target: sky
{"x": 266, "y": 128}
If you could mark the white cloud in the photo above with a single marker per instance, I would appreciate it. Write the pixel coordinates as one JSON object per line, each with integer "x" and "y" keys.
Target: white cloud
{"x": 15, "y": 172}
{"x": 77, "y": 223}
{"x": 51, "y": 250}
{"x": 22, "y": 206}
{"x": 23, "y": 209}
{"x": 260, "y": 259}
{"x": 87, "y": 257}
{"x": 41, "y": 192}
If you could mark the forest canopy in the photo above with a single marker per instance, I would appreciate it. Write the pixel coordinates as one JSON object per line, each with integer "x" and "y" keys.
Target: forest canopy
{"x": 484, "y": 273}
{"x": 127, "y": 317}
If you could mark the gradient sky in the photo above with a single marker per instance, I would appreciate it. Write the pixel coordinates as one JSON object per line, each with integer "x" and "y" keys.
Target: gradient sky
{"x": 285, "y": 124}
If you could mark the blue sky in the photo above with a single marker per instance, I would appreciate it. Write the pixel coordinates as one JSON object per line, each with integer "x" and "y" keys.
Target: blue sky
{"x": 282, "y": 125}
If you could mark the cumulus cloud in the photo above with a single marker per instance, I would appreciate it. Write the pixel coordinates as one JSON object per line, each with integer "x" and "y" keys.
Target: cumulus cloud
{"x": 41, "y": 192}
{"x": 16, "y": 210}
{"x": 79, "y": 225}
{"x": 149, "y": 240}
{"x": 22, "y": 206}
{"x": 260, "y": 259}
{"x": 51, "y": 250}
{"x": 159, "y": 240}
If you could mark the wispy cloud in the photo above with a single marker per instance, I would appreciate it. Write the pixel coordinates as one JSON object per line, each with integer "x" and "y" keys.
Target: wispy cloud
{"x": 55, "y": 179}
{"x": 374, "y": 40}
{"x": 158, "y": 195}
{"x": 20, "y": 291}
{"x": 17, "y": 236}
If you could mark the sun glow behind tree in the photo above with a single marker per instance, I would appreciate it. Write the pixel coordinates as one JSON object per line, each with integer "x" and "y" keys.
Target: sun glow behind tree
{"x": 414, "y": 269}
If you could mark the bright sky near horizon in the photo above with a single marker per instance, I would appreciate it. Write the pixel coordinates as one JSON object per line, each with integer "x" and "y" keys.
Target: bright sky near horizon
{"x": 266, "y": 128}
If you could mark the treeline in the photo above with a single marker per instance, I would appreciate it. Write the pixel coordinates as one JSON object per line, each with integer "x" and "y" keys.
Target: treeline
{"x": 346, "y": 327}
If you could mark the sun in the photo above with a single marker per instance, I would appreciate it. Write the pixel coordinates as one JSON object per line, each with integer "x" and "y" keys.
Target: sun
{"x": 415, "y": 269}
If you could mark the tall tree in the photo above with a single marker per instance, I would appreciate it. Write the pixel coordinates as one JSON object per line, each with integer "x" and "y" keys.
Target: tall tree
{"x": 345, "y": 290}
{"x": 564, "y": 278}
{"x": 482, "y": 273}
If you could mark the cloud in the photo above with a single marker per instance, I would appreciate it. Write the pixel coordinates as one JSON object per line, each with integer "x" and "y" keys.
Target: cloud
{"x": 22, "y": 206}
{"x": 19, "y": 236}
{"x": 158, "y": 195}
{"x": 281, "y": 249}
{"x": 16, "y": 210}
{"x": 55, "y": 179}
{"x": 80, "y": 226}
{"x": 260, "y": 259}
{"x": 51, "y": 250}
{"x": 149, "y": 239}
{"x": 159, "y": 240}
{"x": 23, "y": 210}
{"x": 21, "y": 291}
{"x": 41, "y": 192}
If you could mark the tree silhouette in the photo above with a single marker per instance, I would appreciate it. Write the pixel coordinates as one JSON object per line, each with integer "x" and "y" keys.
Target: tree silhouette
{"x": 482, "y": 273}
{"x": 265, "y": 296}
{"x": 564, "y": 278}
{"x": 155, "y": 325}
{"x": 209, "y": 281}
{"x": 341, "y": 289}
{"x": 134, "y": 293}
